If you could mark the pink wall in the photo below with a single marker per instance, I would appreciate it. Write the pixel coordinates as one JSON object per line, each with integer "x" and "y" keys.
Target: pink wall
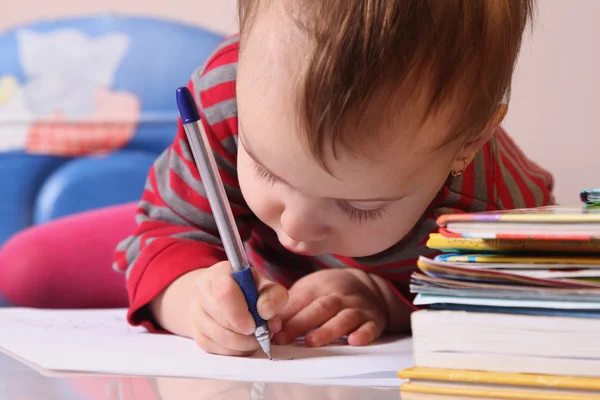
{"x": 556, "y": 102}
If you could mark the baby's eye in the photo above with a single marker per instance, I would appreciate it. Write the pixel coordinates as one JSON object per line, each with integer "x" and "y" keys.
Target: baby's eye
{"x": 262, "y": 174}
{"x": 360, "y": 215}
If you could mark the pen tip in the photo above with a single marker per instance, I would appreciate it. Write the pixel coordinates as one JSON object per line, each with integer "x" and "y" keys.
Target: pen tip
{"x": 270, "y": 358}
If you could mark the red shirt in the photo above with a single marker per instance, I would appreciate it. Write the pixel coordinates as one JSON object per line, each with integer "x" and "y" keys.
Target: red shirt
{"x": 176, "y": 232}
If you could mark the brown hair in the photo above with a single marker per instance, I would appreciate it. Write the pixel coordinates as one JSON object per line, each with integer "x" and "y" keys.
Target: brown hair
{"x": 458, "y": 52}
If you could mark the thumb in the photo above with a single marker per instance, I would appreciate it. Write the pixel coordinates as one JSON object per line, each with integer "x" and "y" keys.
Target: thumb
{"x": 272, "y": 296}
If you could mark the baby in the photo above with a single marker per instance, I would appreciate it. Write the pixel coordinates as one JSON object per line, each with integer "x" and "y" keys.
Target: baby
{"x": 342, "y": 129}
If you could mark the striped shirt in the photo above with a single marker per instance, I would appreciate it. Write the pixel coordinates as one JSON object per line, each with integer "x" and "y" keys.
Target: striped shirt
{"x": 176, "y": 232}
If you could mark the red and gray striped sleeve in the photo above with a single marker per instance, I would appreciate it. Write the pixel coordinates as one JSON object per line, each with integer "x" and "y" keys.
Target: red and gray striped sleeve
{"x": 176, "y": 231}
{"x": 520, "y": 182}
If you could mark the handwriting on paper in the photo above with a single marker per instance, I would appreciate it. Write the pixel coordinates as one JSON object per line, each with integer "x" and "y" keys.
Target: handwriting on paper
{"x": 110, "y": 325}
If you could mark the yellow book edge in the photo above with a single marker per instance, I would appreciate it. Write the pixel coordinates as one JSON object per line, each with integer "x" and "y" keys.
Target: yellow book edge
{"x": 491, "y": 393}
{"x": 438, "y": 241}
{"x": 501, "y": 378}
{"x": 429, "y": 396}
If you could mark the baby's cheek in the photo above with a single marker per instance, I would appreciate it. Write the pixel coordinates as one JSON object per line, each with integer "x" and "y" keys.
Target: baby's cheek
{"x": 367, "y": 240}
{"x": 261, "y": 199}
{"x": 264, "y": 204}
{"x": 376, "y": 243}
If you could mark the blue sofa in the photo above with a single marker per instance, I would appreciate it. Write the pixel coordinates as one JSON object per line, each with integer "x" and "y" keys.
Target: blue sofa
{"x": 154, "y": 58}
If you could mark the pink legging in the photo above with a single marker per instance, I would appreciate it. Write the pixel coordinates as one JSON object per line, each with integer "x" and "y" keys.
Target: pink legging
{"x": 67, "y": 263}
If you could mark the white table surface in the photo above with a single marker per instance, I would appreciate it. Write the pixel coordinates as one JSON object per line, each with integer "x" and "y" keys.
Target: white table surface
{"x": 20, "y": 382}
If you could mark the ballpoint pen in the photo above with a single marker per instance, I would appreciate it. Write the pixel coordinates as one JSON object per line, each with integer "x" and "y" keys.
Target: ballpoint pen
{"x": 217, "y": 198}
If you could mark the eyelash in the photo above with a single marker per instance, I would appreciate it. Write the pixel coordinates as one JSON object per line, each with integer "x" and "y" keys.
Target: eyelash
{"x": 353, "y": 213}
{"x": 265, "y": 175}
{"x": 359, "y": 215}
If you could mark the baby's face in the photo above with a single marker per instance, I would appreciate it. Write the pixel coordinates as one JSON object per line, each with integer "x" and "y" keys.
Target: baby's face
{"x": 363, "y": 205}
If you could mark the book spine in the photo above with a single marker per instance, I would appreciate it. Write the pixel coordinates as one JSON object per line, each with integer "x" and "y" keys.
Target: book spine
{"x": 501, "y": 378}
{"x": 491, "y": 393}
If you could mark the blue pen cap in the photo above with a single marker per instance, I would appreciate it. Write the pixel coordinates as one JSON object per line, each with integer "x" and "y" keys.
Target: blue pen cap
{"x": 187, "y": 106}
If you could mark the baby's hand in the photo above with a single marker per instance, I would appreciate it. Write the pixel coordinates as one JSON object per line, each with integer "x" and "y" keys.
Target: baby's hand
{"x": 221, "y": 322}
{"x": 338, "y": 302}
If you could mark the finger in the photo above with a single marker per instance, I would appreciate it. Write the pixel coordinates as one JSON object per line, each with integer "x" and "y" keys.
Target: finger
{"x": 318, "y": 312}
{"x": 298, "y": 300}
{"x": 210, "y": 346}
{"x": 228, "y": 306}
{"x": 272, "y": 296}
{"x": 275, "y": 325}
{"x": 227, "y": 338}
{"x": 343, "y": 323}
{"x": 367, "y": 333}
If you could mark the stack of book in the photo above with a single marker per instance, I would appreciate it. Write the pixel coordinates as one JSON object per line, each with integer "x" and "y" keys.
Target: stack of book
{"x": 512, "y": 306}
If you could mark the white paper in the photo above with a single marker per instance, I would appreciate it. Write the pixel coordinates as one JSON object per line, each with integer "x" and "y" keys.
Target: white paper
{"x": 101, "y": 341}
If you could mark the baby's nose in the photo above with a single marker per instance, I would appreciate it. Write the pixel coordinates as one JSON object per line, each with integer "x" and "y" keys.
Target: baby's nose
{"x": 303, "y": 226}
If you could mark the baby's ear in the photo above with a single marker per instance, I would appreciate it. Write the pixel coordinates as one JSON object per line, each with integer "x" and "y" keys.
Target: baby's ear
{"x": 499, "y": 115}
{"x": 489, "y": 130}
{"x": 472, "y": 146}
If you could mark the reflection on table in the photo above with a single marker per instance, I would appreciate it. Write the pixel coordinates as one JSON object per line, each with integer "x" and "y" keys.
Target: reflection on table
{"x": 19, "y": 382}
